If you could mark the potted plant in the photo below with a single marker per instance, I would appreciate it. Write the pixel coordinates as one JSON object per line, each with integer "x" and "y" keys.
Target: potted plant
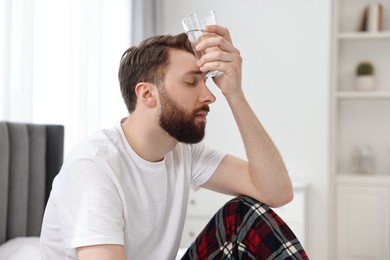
{"x": 365, "y": 76}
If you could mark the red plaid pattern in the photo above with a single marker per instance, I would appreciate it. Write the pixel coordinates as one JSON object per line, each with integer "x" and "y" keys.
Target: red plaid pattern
{"x": 246, "y": 229}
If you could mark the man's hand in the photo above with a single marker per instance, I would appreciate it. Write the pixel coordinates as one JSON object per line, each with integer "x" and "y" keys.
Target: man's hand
{"x": 226, "y": 58}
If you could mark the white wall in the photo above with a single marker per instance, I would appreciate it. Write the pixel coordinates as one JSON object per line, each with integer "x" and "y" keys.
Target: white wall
{"x": 286, "y": 50}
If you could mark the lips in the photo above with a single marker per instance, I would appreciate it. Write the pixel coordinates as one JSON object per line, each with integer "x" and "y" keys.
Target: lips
{"x": 202, "y": 112}
{"x": 201, "y": 116}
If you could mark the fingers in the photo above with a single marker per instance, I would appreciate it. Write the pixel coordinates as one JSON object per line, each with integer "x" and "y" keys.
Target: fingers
{"x": 221, "y": 61}
{"x": 221, "y": 37}
{"x": 215, "y": 41}
{"x": 219, "y": 30}
{"x": 217, "y": 48}
{"x": 219, "y": 52}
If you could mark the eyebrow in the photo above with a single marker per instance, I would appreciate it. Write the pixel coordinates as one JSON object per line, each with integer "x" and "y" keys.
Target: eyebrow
{"x": 194, "y": 72}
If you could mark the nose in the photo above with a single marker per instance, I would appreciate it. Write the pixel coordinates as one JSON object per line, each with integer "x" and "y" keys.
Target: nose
{"x": 207, "y": 96}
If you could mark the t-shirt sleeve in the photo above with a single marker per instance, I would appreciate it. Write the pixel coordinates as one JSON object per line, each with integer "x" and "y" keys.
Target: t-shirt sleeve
{"x": 204, "y": 163}
{"x": 89, "y": 207}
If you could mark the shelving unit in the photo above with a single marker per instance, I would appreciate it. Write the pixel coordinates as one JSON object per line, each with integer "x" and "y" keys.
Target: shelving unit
{"x": 360, "y": 202}
{"x": 359, "y": 118}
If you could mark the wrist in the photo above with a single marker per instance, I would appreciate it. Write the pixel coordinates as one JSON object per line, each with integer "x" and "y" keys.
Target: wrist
{"x": 236, "y": 97}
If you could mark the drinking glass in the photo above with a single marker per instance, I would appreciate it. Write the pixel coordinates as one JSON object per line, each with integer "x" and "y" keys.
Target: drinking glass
{"x": 194, "y": 26}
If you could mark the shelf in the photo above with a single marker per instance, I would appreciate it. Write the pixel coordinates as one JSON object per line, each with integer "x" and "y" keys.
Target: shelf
{"x": 361, "y": 94}
{"x": 348, "y": 178}
{"x": 364, "y": 35}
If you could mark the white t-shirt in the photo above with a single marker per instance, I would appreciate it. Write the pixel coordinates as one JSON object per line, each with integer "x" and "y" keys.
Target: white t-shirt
{"x": 106, "y": 194}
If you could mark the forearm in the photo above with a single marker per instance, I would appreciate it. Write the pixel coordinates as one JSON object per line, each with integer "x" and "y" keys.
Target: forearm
{"x": 265, "y": 165}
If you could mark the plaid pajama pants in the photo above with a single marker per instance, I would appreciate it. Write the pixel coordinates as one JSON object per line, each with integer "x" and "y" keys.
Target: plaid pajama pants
{"x": 246, "y": 229}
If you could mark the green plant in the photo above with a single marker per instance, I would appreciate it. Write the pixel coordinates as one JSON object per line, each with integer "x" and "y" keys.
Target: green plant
{"x": 364, "y": 68}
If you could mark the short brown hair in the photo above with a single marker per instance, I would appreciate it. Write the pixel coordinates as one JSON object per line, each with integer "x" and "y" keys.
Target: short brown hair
{"x": 147, "y": 63}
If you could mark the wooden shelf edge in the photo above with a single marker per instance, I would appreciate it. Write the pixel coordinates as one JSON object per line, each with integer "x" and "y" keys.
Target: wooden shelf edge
{"x": 363, "y": 35}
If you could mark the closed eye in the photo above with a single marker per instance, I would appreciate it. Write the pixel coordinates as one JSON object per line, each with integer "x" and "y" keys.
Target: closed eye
{"x": 192, "y": 82}
{"x": 195, "y": 78}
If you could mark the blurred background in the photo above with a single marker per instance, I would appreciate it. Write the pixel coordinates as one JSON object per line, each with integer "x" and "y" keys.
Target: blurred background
{"x": 59, "y": 61}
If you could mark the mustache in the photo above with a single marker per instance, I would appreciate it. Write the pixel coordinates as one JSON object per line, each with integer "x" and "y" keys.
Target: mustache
{"x": 205, "y": 108}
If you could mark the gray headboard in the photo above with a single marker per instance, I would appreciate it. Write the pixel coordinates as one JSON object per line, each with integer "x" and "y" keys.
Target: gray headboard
{"x": 30, "y": 157}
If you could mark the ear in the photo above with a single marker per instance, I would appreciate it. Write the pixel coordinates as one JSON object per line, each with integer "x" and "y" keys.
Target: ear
{"x": 145, "y": 93}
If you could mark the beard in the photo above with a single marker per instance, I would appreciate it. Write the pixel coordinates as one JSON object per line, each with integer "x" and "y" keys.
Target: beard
{"x": 178, "y": 123}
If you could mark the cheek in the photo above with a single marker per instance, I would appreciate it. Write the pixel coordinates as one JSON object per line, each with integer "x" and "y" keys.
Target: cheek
{"x": 185, "y": 99}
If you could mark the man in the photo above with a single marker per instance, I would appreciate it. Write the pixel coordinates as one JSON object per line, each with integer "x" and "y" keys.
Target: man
{"x": 123, "y": 193}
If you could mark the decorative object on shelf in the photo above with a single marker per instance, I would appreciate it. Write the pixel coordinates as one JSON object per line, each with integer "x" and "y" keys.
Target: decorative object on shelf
{"x": 371, "y": 19}
{"x": 363, "y": 160}
{"x": 365, "y": 76}
{"x": 362, "y": 25}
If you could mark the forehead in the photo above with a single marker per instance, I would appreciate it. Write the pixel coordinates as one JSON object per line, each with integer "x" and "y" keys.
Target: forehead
{"x": 181, "y": 63}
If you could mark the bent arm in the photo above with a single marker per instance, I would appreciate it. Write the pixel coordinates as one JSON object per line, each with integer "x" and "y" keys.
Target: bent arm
{"x": 264, "y": 175}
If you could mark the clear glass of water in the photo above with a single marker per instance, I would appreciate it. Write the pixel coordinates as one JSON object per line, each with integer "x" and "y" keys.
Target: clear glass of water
{"x": 194, "y": 26}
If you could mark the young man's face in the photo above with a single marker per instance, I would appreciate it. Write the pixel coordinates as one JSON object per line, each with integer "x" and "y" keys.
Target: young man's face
{"x": 184, "y": 99}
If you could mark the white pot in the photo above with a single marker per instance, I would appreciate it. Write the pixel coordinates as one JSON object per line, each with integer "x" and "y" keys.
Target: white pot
{"x": 365, "y": 83}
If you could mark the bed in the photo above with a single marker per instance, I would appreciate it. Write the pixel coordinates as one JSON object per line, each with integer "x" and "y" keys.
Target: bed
{"x": 30, "y": 157}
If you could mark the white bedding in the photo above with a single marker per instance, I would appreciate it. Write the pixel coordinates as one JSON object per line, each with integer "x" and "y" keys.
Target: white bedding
{"x": 22, "y": 248}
